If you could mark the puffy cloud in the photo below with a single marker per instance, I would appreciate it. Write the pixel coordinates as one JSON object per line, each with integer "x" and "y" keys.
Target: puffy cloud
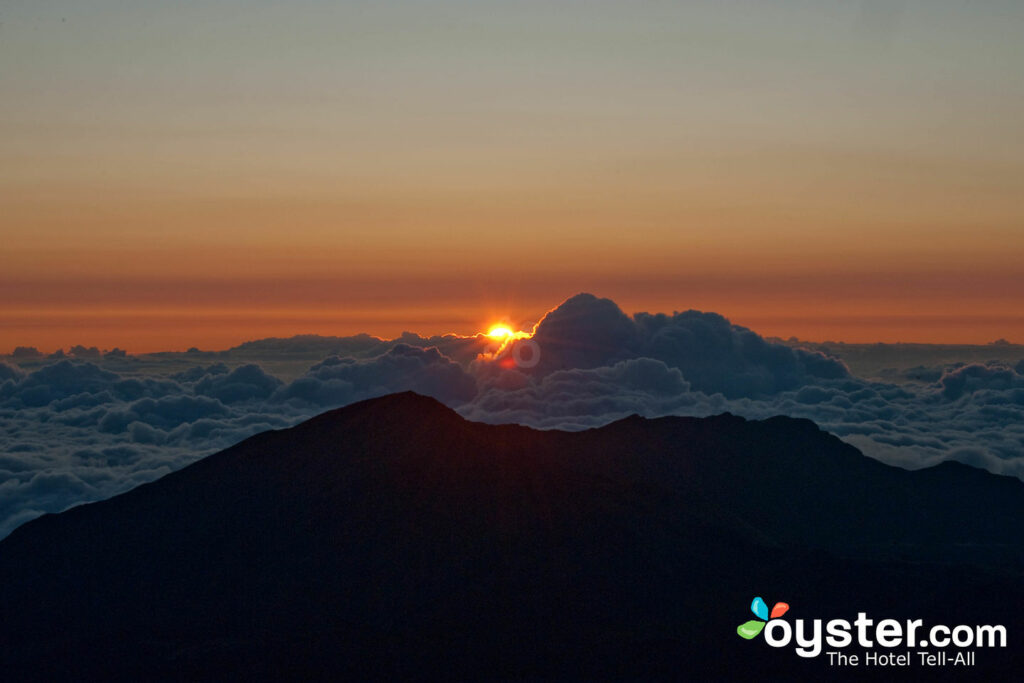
{"x": 361, "y": 346}
{"x": 198, "y": 372}
{"x": 305, "y": 344}
{"x": 77, "y": 380}
{"x": 714, "y": 355}
{"x": 58, "y": 381}
{"x": 165, "y": 413}
{"x": 72, "y": 431}
{"x": 245, "y": 383}
{"x": 22, "y": 352}
{"x": 79, "y": 351}
{"x": 921, "y": 373}
{"x": 585, "y": 332}
{"x": 578, "y": 398}
{"x": 10, "y": 372}
{"x": 336, "y": 381}
{"x": 975, "y": 377}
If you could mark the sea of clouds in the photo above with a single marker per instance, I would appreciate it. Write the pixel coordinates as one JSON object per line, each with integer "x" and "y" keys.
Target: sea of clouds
{"x": 80, "y": 429}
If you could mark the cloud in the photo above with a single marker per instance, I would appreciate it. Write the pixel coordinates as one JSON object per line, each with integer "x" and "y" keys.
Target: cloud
{"x": 361, "y": 346}
{"x": 336, "y": 381}
{"x": 585, "y": 332}
{"x": 23, "y": 352}
{"x": 245, "y": 383}
{"x": 58, "y": 381}
{"x": 579, "y": 398}
{"x": 66, "y": 379}
{"x": 304, "y": 344}
{"x": 79, "y": 351}
{"x": 165, "y": 413}
{"x": 76, "y": 430}
{"x": 73, "y": 431}
{"x": 714, "y": 355}
{"x": 198, "y": 372}
{"x": 976, "y": 377}
{"x": 10, "y": 372}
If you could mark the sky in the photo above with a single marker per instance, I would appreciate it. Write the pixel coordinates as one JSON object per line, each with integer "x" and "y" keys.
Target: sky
{"x": 177, "y": 174}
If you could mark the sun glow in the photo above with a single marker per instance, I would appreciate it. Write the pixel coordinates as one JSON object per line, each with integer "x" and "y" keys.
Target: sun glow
{"x": 500, "y": 332}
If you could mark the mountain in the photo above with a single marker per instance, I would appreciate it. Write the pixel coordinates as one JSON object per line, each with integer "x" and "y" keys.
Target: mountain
{"x": 394, "y": 539}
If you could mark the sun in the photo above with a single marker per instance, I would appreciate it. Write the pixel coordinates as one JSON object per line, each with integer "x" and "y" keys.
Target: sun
{"x": 501, "y": 332}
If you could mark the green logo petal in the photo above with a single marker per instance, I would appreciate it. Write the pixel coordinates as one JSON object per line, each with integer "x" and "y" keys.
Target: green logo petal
{"x": 750, "y": 629}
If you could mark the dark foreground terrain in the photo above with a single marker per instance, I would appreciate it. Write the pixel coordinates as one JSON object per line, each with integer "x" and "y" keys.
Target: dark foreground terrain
{"x": 393, "y": 539}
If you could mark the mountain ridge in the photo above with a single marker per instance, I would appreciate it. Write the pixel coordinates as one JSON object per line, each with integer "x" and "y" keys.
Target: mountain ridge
{"x": 409, "y": 541}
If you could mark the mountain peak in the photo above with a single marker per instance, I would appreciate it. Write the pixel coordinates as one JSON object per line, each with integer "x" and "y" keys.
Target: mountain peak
{"x": 401, "y": 540}
{"x": 404, "y": 405}
{"x": 403, "y": 400}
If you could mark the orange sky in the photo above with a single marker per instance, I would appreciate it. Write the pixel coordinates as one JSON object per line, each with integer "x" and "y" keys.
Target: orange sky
{"x": 173, "y": 273}
{"x": 147, "y": 315}
{"x": 184, "y": 176}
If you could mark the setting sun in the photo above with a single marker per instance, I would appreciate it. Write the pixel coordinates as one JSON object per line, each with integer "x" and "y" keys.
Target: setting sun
{"x": 500, "y": 332}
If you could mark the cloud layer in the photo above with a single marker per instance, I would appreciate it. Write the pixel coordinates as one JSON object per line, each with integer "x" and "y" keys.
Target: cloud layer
{"x": 75, "y": 430}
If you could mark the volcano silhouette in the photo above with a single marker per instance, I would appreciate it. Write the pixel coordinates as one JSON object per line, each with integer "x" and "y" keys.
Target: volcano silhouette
{"x": 394, "y": 539}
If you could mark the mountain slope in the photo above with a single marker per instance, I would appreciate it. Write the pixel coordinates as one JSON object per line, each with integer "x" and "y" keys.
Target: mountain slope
{"x": 393, "y": 538}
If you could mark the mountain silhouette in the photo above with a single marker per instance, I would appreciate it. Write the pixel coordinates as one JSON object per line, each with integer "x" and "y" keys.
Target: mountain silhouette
{"x": 393, "y": 539}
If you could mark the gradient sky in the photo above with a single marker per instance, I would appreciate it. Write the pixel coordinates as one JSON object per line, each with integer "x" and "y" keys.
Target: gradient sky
{"x": 201, "y": 173}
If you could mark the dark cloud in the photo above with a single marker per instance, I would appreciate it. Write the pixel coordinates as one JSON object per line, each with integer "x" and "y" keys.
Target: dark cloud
{"x": 60, "y": 380}
{"x": 579, "y": 398}
{"x": 165, "y": 413}
{"x": 73, "y": 431}
{"x": 714, "y": 355}
{"x": 304, "y": 344}
{"x": 23, "y": 352}
{"x": 10, "y": 372}
{"x": 585, "y": 332}
{"x": 76, "y": 380}
{"x": 194, "y": 374}
{"x": 975, "y": 377}
{"x": 245, "y": 383}
{"x": 920, "y": 373}
{"x": 336, "y": 381}
{"x": 77, "y": 430}
{"x": 362, "y": 346}
{"x": 79, "y": 351}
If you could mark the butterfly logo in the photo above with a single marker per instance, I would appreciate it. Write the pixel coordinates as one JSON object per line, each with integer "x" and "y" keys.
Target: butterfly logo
{"x": 753, "y": 627}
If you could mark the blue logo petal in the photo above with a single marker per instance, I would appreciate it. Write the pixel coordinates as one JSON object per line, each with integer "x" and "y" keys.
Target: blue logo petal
{"x": 759, "y": 608}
